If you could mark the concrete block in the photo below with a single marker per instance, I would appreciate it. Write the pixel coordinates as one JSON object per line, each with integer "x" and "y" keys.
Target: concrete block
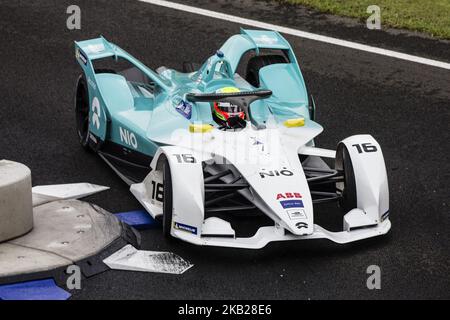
{"x": 16, "y": 209}
{"x": 15, "y": 260}
{"x": 71, "y": 229}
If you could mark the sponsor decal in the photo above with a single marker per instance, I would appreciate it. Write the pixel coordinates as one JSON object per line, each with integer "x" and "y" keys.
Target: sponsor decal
{"x": 128, "y": 138}
{"x": 80, "y": 55}
{"x": 185, "y": 109}
{"x": 92, "y": 83}
{"x": 289, "y": 195}
{"x": 288, "y": 204}
{"x": 264, "y": 39}
{"x": 185, "y": 227}
{"x": 296, "y": 214}
{"x": 96, "y": 112}
{"x": 301, "y": 225}
{"x": 256, "y": 142}
{"x": 95, "y": 48}
{"x": 290, "y": 200}
{"x": 275, "y": 173}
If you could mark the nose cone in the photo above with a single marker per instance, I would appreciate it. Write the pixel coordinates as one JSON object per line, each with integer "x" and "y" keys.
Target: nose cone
{"x": 286, "y": 192}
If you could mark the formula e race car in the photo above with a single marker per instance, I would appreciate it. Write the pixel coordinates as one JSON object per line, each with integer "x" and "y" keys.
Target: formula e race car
{"x": 231, "y": 138}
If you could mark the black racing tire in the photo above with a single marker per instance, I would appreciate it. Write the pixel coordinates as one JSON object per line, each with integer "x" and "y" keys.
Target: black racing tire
{"x": 167, "y": 200}
{"x": 258, "y": 62}
{"x": 349, "y": 195}
{"x": 82, "y": 112}
{"x": 312, "y": 108}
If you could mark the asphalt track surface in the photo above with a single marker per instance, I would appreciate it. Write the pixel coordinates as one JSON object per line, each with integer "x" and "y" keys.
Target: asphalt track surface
{"x": 404, "y": 105}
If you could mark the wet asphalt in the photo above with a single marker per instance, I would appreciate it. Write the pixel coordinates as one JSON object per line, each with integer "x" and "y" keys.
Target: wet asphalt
{"x": 404, "y": 105}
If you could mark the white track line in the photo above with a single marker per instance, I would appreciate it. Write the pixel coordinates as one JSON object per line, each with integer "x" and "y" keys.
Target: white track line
{"x": 298, "y": 33}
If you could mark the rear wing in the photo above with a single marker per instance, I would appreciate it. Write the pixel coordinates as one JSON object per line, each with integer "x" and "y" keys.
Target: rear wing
{"x": 94, "y": 49}
{"x": 89, "y": 50}
{"x": 265, "y": 39}
{"x": 236, "y": 46}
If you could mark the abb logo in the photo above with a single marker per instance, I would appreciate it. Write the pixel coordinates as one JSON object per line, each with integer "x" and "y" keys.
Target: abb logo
{"x": 289, "y": 195}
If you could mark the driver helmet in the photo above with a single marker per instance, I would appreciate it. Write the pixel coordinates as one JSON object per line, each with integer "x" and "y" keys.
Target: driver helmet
{"x": 226, "y": 111}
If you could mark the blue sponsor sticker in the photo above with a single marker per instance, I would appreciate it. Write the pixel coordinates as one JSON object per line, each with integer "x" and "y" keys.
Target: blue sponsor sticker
{"x": 185, "y": 109}
{"x": 185, "y": 227}
{"x": 287, "y": 204}
{"x": 80, "y": 55}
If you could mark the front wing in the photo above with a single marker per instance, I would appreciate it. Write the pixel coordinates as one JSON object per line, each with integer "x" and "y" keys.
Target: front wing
{"x": 271, "y": 234}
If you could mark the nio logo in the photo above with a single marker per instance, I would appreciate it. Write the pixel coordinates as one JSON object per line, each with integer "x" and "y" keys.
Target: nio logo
{"x": 275, "y": 173}
{"x": 128, "y": 137}
{"x": 301, "y": 225}
{"x": 96, "y": 112}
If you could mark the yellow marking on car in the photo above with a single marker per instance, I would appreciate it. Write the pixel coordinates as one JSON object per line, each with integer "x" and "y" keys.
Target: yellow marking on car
{"x": 200, "y": 128}
{"x": 297, "y": 122}
{"x": 228, "y": 90}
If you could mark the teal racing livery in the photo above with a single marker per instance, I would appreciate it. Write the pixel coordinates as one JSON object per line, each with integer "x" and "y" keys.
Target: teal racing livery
{"x": 233, "y": 134}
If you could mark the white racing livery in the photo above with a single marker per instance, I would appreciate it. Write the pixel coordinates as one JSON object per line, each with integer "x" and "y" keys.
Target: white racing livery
{"x": 205, "y": 173}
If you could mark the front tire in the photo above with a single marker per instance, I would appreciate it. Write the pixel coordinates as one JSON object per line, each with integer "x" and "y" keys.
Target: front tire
{"x": 348, "y": 187}
{"x": 167, "y": 200}
{"x": 82, "y": 112}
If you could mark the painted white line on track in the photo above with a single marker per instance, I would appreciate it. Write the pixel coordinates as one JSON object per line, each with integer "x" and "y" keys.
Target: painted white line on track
{"x": 298, "y": 33}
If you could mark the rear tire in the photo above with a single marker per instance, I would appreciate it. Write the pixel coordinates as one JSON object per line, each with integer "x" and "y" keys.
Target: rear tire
{"x": 82, "y": 112}
{"x": 167, "y": 200}
{"x": 258, "y": 62}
